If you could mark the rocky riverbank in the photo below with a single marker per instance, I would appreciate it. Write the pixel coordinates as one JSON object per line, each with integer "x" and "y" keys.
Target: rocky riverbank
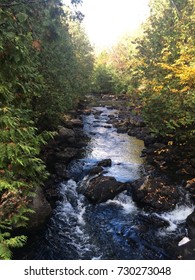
{"x": 169, "y": 169}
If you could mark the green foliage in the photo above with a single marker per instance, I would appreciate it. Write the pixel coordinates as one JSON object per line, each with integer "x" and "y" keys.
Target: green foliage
{"x": 7, "y": 242}
{"x": 159, "y": 67}
{"x": 116, "y": 70}
{"x": 45, "y": 68}
{"x": 103, "y": 79}
{"x": 168, "y": 74}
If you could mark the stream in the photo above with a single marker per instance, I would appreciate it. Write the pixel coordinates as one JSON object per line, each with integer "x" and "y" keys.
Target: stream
{"x": 115, "y": 229}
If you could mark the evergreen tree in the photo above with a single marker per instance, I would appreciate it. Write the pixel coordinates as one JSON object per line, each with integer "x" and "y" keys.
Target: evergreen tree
{"x": 38, "y": 70}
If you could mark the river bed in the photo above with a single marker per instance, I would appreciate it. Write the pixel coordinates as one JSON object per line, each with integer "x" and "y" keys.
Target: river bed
{"x": 116, "y": 229}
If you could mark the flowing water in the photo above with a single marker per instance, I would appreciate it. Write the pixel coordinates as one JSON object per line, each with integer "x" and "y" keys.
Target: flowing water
{"x": 112, "y": 230}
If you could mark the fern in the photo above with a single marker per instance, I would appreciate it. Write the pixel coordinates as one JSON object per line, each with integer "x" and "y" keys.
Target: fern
{"x": 6, "y": 243}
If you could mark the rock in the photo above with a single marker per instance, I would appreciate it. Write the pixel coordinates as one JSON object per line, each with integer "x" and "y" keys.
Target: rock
{"x": 148, "y": 151}
{"x": 67, "y": 124}
{"x": 61, "y": 172}
{"x": 190, "y": 186}
{"x": 122, "y": 129}
{"x": 186, "y": 251}
{"x": 154, "y": 220}
{"x": 76, "y": 123}
{"x": 159, "y": 145}
{"x": 42, "y": 210}
{"x": 191, "y": 232}
{"x": 66, "y": 155}
{"x": 96, "y": 170}
{"x": 105, "y": 163}
{"x": 148, "y": 140}
{"x": 190, "y": 221}
{"x": 193, "y": 162}
{"x": 101, "y": 189}
{"x": 52, "y": 194}
{"x": 66, "y": 134}
{"x": 136, "y": 121}
{"x": 155, "y": 193}
{"x": 107, "y": 126}
{"x": 87, "y": 111}
{"x": 72, "y": 123}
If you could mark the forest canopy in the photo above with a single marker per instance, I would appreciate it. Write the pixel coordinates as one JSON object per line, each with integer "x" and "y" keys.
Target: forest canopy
{"x": 158, "y": 67}
{"x": 46, "y": 63}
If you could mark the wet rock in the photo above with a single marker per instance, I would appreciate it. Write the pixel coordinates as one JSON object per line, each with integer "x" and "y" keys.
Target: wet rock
{"x": 105, "y": 163}
{"x": 61, "y": 172}
{"x": 155, "y": 193}
{"x": 190, "y": 221}
{"x": 96, "y": 170}
{"x": 42, "y": 210}
{"x": 154, "y": 220}
{"x": 52, "y": 194}
{"x": 101, "y": 189}
{"x": 107, "y": 126}
{"x": 191, "y": 232}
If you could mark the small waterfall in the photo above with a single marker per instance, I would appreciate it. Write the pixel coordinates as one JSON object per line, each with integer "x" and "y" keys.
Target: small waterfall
{"x": 176, "y": 218}
{"x": 68, "y": 219}
{"x": 114, "y": 229}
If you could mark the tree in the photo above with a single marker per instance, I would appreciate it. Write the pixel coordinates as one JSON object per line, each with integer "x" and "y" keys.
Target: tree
{"x": 167, "y": 54}
{"x": 103, "y": 81}
{"x": 39, "y": 66}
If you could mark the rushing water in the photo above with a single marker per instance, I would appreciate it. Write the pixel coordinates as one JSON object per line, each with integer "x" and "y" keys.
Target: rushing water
{"x": 112, "y": 230}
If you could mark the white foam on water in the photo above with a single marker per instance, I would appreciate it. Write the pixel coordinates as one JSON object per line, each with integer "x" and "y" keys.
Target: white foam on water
{"x": 124, "y": 201}
{"x": 72, "y": 210}
{"x": 176, "y": 217}
{"x": 80, "y": 216}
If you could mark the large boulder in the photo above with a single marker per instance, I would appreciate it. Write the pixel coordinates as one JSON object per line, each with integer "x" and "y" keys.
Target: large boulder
{"x": 155, "y": 193}
{"x": 102, "y": 188}
{"x": 42, "y": 210}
